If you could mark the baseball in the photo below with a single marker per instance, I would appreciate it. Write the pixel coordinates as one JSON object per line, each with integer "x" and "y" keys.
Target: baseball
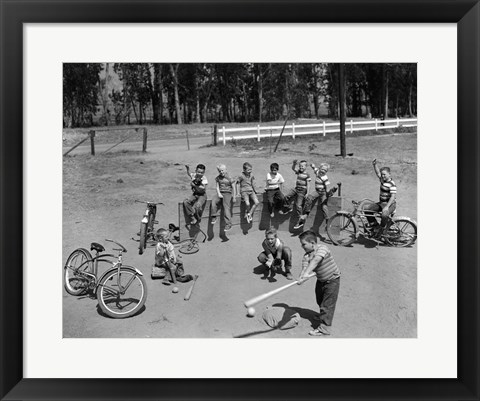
{"x": 175, "y": 290}
{"x": 251, "y": 311}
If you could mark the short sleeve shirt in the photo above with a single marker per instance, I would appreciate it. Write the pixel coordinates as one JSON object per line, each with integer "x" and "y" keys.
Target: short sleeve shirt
{"x": 246, "y": 183}
{"x": 326, "y": 269}
{"x": 196, "y": 189}
{"x": 276, "y": 181}
{"x": 271, "y": 249}
{"x": 321, "y": 181}
{"x": 225, "y": 183}
{"x": 387, "y": 188}
{"x": 164, "y": 251}
{"x": 302, "y": 180}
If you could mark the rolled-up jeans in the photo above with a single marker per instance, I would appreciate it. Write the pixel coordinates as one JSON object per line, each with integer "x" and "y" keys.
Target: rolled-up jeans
{"x": 378, "y": 207}
{"x": 226, "y": 201}
{"x": 299, "y": 194}
{"x": 311, "y": 199}
{"x": 326, "y": 294}
{"x": 194, "y": 205}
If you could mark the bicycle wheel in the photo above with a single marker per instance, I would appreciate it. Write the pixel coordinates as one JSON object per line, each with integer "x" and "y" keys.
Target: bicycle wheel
{"x": 122, "y": 294}
{"x": 189, "y": 246}
{"x": 143, "y": 238}
{"x": 78, "y": 263}
{"x": 402, "y": 232}
{"x": 342, "y": 229}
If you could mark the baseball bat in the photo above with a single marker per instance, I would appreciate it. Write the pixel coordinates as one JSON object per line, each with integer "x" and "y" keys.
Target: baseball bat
{"x": 190, "y": 290}
{"x": 262, "y": 297}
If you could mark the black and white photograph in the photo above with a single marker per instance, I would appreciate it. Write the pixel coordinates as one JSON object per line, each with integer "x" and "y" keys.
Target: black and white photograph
{"x": 239, "y": 200}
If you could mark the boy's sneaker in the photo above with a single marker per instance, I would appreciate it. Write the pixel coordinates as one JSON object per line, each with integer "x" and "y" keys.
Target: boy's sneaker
{"x": 227, "y": 228}
{"x": 289, "y": 276}
{"x": 214, "y": 220}
{"x": 318, "y": 333}
{"x": 299, "y": 224}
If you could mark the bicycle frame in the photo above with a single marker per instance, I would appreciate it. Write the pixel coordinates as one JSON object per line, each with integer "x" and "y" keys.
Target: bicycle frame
{"x": 361, "y": 215}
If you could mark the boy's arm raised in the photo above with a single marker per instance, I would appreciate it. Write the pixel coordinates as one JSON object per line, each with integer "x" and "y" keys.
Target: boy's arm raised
{"x": 375, "y": 167}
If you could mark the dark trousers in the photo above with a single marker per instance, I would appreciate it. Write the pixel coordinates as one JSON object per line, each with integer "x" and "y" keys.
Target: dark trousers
{"x": 194, "y": 205}
{"x": 378, "y": 207}
{"x": 274, "y": 198}
{"x": 299, "y": 196}
{"x": 286, "y": 257}
{"x": 326, "y": 293}
{"x": 312, "y": 198}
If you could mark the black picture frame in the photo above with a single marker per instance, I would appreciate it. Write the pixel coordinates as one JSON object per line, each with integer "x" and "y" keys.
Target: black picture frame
{"x": 464, "y": 13}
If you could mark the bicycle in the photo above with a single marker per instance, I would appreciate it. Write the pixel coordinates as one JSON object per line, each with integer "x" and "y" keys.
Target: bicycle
{"x": 147, "y": 232}
{"x": 121, "y": 290}
{"x": 344, "y": 227}
{"x": 188, "y": 245}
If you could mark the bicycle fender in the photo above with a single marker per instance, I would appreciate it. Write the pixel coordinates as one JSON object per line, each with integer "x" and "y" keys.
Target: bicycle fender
{"x": 405, "y": 218}
{"x": 344, "y": 213}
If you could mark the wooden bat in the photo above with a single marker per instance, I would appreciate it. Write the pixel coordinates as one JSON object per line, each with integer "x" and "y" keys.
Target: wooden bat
{"x": 190, "y": 290}
{"x": 262, "y": 297}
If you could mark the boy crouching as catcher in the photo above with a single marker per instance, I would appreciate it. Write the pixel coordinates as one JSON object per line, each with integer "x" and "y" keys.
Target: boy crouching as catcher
{"x": 274, "y": 251}
{"x": 319, "y": 260}
{"x": 167, "y": 263}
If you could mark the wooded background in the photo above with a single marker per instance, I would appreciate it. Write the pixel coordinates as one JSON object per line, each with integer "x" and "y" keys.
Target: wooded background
{"x": 103, "y": 94}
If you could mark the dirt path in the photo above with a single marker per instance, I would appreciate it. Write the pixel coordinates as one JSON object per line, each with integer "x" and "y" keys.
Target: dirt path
{"x": 378, "y": 295}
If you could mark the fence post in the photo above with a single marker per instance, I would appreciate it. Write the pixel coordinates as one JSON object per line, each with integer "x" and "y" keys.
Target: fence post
{"x": 376, "y": 125}
{"x": 324, "y": 128}
{"x": 92, "y": 142}
{"x": 223, "y": 134}
{"x": 398, "y": 122}
{"x": 293, "y": 130}
{"x": 351, "y": 126}
{"x": 215, "y": 133}
{"x": 144, "y": 147}
{"x": 258, "y": 133}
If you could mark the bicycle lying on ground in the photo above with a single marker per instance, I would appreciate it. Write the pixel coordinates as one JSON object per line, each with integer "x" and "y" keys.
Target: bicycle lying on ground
{"x": 344, "y": 227}
{"x": 147, "y": 232}
{"x": 121, "y": 290}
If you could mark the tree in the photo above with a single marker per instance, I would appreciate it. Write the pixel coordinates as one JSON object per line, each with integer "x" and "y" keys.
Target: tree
{"x": 80, "y": 92}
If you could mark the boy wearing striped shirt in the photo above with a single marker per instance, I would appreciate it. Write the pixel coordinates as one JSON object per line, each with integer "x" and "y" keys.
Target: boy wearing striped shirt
{"x": 321, "y": 193}
{"x": 319, "y": 260}
{"x": 300, "y": 191}
{"x": 387, "y": 199}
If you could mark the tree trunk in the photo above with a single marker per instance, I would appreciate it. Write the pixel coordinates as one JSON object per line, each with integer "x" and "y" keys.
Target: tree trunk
{"x": 341, "y": 93}
{"x": 385, "y": 83}
{"x": 245, "y": 103}
{"x": 157, "y": 94}
{"x": 174, "y": 70}
{"x": 260, "y": 94}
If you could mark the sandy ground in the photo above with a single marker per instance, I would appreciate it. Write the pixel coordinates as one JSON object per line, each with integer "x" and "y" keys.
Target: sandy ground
{"x": 378, "y": 293}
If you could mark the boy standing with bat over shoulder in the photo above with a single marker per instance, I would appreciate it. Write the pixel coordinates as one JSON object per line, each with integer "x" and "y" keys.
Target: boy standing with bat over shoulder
{"x": 318, "y": 260}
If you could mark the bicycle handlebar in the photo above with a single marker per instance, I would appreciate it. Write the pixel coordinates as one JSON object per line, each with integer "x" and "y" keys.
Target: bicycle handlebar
{"x": 120, "y": 245}
{"x": 148, "y": 202}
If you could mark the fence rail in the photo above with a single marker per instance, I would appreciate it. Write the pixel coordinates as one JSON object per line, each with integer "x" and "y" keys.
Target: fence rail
{"x": 324, "y": 128}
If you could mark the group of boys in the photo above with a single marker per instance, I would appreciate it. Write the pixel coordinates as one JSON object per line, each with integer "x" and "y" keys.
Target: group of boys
{"x": 228, "y": 187}
{"x": 317, "y": 260}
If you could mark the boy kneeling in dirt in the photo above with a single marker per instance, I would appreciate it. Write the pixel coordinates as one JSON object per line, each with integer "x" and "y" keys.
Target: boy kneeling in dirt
{"x": 167, "y": 262}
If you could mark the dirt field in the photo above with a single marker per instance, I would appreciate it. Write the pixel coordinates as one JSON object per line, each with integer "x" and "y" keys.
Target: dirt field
{"x": 378, "y": 293}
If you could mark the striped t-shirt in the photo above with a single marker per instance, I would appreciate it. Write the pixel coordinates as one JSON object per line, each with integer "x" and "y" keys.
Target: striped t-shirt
{"x": 321, "y": 181}
{"x": 326, "y": 269}
{"x": 302, "y": 179}
{"x": 387, "y": 188}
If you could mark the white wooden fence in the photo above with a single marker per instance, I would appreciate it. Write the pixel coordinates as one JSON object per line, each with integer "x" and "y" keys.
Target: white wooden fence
{"x": 314, "y": 129}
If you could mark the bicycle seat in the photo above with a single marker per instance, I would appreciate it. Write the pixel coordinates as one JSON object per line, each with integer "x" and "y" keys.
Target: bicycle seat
{"x": 96, "y": 247}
